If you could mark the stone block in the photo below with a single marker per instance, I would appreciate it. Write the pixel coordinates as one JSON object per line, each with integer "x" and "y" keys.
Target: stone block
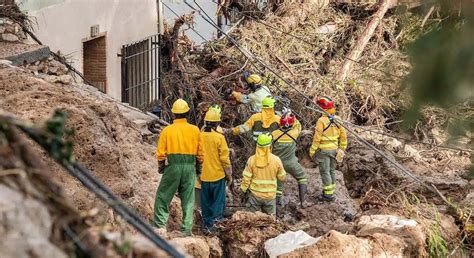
{"x": 10, "y": 37}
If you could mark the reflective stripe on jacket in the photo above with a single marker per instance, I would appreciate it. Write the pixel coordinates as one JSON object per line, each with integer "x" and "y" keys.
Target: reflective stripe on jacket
{"x": 214, "y": 155}
{"x": 178, "y": 138}
{"x": 262, "y": 181}
{"x": 328, "y": 136}
{"x": 264, "y": 122}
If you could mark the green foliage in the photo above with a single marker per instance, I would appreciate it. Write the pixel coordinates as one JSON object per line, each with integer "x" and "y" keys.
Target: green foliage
{"x": 123, "y": 248}
{"x": 443, "y": 68}
{"x": 437, "y": 245}
{"x": 56, "y": 126}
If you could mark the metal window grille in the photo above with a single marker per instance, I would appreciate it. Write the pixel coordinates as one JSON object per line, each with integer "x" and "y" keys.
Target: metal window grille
{"x": 141, "y": 72}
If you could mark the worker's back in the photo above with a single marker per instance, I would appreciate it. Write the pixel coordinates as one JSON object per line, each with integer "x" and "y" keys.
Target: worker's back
{"x": 264, "y": 179}
{"x": 214, "y": 153}
{"x": 330, "y": 133}
{"x": 179, "y": 139}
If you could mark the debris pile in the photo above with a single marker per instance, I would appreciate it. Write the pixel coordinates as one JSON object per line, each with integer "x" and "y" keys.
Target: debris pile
{"x": 244, "y": 234}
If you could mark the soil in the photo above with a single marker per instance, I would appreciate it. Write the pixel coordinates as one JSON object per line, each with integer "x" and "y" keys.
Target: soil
{"x": 105, "y": 142}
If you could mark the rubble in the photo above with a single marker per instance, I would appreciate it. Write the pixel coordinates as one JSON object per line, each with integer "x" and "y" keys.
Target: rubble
{"x": 11, "y": 31}
{"x": 244, "y": 234}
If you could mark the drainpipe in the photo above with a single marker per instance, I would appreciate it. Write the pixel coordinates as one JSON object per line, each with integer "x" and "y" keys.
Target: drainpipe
{"x": 159, "y": 9}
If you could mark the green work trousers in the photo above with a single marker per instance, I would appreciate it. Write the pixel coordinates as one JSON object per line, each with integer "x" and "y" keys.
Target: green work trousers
{"x": 266, "y": 206}
{"x": 287, "y": 153}
{"x": 179, "y": 176}
{"x": 327, "y": 169}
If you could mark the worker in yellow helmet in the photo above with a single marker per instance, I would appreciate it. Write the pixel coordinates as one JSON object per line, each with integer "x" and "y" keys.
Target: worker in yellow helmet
{"x": 329, "y": 144}
{"x": 176, "y": 152}
{"x": 258, "y": 92}
{"x": 265, "y": 121}
{"x": 197, "y": 187}
{"x": 216, "y": 171}
{"x": 259, "y": 183}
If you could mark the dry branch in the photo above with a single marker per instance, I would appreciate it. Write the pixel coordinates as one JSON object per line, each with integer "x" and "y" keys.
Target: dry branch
{"x": 359, "y": 46}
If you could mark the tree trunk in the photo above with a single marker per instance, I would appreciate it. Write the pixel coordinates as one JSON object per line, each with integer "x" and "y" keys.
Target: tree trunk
{"x": 358, "y": 48}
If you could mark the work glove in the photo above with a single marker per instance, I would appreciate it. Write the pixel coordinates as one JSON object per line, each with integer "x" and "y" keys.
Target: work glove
{"x": 245, "y": 197}
{"x": 340, "y": 155}
{"x": 161, "y": 166}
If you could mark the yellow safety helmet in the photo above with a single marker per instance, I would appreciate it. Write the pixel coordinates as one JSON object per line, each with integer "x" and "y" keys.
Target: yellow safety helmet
{"x": 264, "y": 139}
{"x": 180, "y": 107}
{"x": 268, "y": 102}
{"x": 216, "y": 108}
{"x": 212, "y": 116}
{"x": 253, "y": 79}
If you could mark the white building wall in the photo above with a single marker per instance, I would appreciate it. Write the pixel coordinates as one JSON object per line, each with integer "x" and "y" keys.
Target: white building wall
{"x": 64, "y": 24}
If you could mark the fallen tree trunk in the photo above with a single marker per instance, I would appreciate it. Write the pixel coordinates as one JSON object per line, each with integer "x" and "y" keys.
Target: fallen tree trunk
{"x": 356, "y": 51}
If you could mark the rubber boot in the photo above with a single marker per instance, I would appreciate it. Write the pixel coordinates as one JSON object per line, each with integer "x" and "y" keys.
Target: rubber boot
{"x": 302, "y": 190}
{"x": 278, "y": 200}
{"x": 326, "y": 198}
{"x": 279, "y": 208}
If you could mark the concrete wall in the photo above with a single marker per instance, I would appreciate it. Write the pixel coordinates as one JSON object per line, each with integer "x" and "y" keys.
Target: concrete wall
{"x": 65, "y": 24}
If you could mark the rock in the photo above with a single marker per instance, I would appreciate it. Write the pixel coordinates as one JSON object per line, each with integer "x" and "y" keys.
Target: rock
{"x": 407, "y": 230}
{"x": 5, "y": 63}
{"x": 2, "y": 29}
{"x": 56, "y": 68}
{"x": 288, "y": 242}
{"x": 25, "y": 229}
{"x": 335, "y": 244}
{"x": 10, "y": 37}
{"x": 196, "y": 247}
{"x": 144, "y": 248}
{"x": 387, "y": 246}
{"x": 63, "y": 79}
{"x": 215, "y": 247}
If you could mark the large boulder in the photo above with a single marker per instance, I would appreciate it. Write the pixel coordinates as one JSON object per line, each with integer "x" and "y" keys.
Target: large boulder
{"x": 409, "y": 231}
{"x": 335, "y": 244}
{"x": 25, "y": 227}
{"x": 376, "y": 236}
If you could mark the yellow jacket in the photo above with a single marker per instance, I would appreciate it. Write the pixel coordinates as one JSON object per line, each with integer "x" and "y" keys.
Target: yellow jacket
{"x": 214, "y": 155}
{"x": 262, "y": 180}
{"x": 178, "y": 138}
{"x": 265, "y": 121}
{"x": 328, "y": 136}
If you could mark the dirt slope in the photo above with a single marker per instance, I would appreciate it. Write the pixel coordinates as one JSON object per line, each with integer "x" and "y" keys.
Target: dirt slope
{"x": 105, "y": 142}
